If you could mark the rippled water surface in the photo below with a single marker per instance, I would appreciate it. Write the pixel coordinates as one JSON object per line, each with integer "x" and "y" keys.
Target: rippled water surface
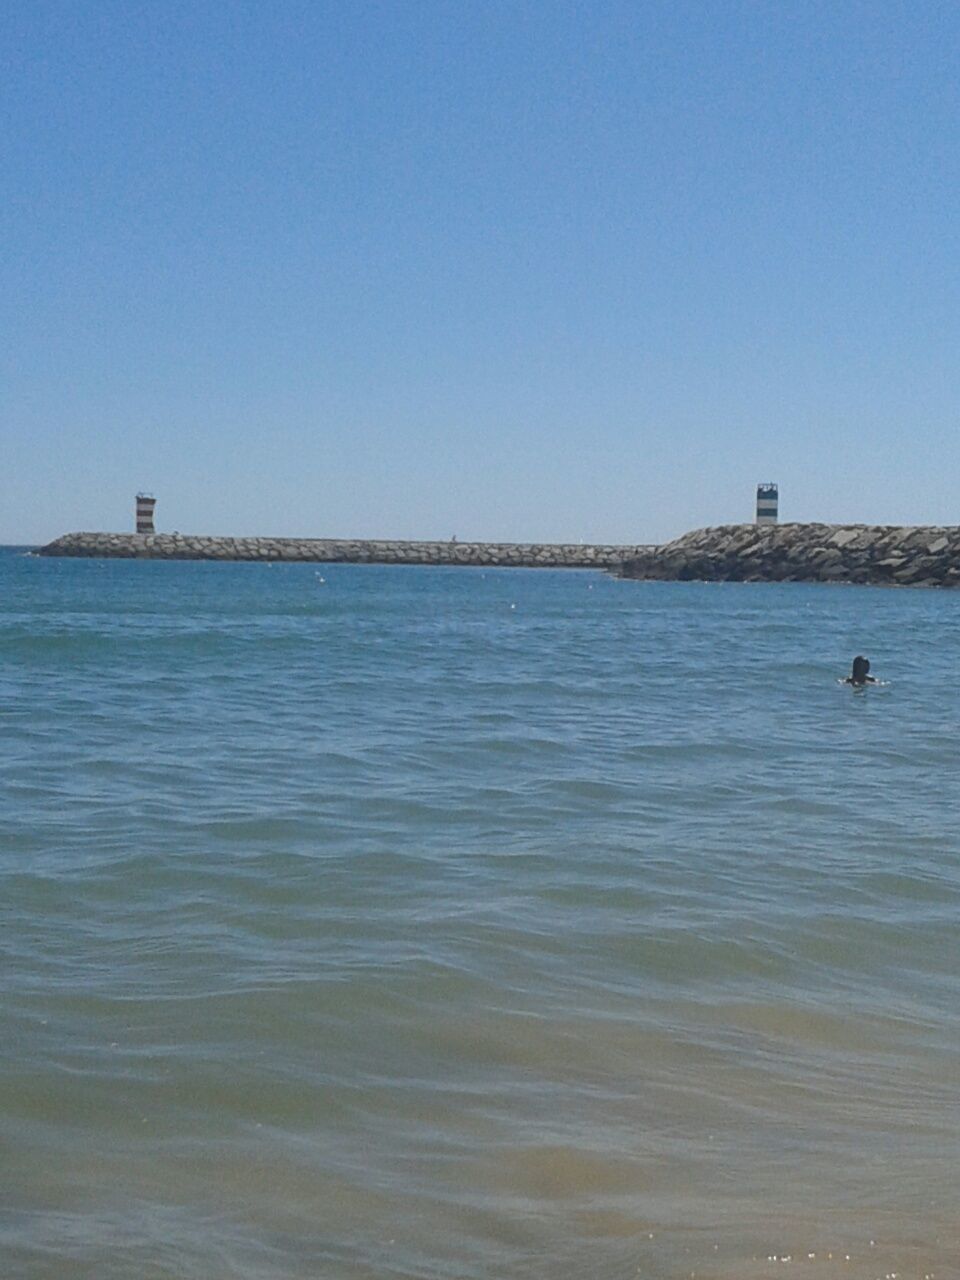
{"x": 457, "y": 924}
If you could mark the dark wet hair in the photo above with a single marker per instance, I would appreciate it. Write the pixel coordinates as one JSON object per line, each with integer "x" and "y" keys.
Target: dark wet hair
{"x": 861, "y": 666}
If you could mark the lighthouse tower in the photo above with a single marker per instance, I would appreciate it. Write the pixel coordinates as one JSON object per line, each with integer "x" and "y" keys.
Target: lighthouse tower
{"x": 768, "y": 500}
{"x": 145, "y": 504}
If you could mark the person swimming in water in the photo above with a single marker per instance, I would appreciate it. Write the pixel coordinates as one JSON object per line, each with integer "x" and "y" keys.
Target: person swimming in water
{"x": 859, "y": 676}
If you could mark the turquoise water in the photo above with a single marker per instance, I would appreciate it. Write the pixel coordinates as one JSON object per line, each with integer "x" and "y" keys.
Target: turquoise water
{"x": 447, "y": 923}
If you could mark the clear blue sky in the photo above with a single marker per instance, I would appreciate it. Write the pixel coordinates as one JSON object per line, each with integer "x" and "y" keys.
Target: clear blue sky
{"x": 542, "y": 270}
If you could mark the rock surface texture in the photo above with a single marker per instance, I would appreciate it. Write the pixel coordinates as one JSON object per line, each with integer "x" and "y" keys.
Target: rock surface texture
{"x": 883, "y": 555}
{"x": 169, "y": 546}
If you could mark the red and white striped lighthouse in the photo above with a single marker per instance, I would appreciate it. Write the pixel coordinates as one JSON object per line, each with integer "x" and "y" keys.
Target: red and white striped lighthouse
{"x": 145, "y": 505}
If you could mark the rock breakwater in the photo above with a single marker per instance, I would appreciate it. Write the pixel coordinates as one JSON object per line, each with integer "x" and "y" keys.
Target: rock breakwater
{"x": 169, "y": 546}
{"x": 883, "y": 555}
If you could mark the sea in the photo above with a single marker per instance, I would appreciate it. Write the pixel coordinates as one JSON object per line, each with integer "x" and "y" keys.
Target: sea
{"x": 392, "y": 923}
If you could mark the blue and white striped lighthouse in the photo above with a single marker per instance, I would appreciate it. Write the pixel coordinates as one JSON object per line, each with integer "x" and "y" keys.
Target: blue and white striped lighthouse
{"x": 768, "y": 500}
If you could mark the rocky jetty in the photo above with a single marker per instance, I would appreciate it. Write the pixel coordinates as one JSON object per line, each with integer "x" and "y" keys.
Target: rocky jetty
{"x": 172, "y": 546}
{"x": 890, "y": 555}
{"x": 883, "y": 555}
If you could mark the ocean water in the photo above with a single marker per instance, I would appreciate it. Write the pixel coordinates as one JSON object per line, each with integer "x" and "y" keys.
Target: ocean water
{"x": 364, "y": 923}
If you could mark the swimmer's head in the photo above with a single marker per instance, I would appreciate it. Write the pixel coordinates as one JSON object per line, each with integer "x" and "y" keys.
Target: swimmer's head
{"x": 861, "y": 666}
